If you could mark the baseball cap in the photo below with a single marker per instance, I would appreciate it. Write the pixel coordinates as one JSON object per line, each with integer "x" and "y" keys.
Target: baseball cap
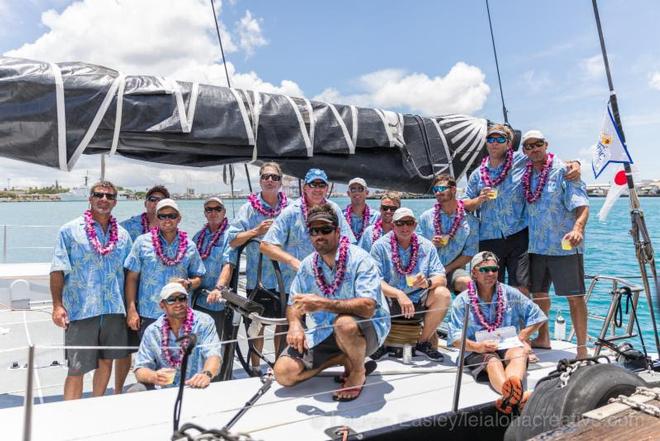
{"x": 532, "y": 134}
{"x": 167, "y": 203}
{"x": 170, "y": 289}
{"x": 482, "y": 256}
{"x": 358, "y": 181}
{"x": 497, "y": 132}
{"x": 402, "y": 212}
{"x": 214, "y": 199}
{"x": 328, "y": 217}
{"x": 315, "y": 174}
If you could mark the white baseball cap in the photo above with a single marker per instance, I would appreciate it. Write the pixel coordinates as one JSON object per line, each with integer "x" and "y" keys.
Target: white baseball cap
{"x": 532, "y": 134}
{"x": 170, "y": 289}
{"x": 402, "y": 212}
{"x": 481, "y": 257}
{"x": 214, "y": 199}
{"x": 167, "y": 203}
{"x": 358, "y": 181}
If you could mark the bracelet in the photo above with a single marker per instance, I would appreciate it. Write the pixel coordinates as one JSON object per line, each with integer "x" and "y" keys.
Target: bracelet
{"x": 208, "y": 374}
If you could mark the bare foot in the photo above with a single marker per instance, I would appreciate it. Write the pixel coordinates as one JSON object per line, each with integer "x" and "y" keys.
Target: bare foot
{"x": 352, "y": 387}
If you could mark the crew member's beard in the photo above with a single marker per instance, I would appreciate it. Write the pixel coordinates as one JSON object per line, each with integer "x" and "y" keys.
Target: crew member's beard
{"x": 323, "y": 247}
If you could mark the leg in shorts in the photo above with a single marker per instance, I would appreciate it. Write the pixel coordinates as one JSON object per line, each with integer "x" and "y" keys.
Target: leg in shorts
{"x": 453, "y": 276}
{"x": 102, "y": 330}
{"x": 566, "y": 273}
{"x": 144, "y": 324}
{"x": 420, "y": 309}
{"x": 512, "y": 254}
{"x": 315, "y": 357}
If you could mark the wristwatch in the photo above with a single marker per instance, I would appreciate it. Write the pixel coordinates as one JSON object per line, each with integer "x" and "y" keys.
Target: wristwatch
{"x": 208, "y": 374}
{"x": 428, "y": 283}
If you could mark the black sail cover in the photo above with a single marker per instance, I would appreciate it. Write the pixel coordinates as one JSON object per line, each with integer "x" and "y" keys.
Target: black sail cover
{"x": 52, "y": 113}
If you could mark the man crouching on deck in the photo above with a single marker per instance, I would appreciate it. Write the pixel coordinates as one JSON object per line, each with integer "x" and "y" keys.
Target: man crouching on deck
{"x": 339, "y": 288}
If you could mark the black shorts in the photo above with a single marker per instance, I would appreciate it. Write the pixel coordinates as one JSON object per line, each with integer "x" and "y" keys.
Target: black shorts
{"x": 476, "y": 362}
{"x": 513, "y": 258}
{"x": 144, "y": 324}
{"x": 566, "y": 273}
{"x": 328, "y": 348}
{"x": 271, "y": 303}
{"x": 102, "y": 330}
{"x": 420, "y": 308}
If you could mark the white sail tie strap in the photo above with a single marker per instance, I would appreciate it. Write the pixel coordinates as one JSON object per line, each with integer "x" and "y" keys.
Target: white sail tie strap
{"x": 61, "y": 116}
{"x": 256, "y": 111}
{"x": 344, "y": 129}
{"x": 354, "y": 120}
{"x": 118, "y": 115}
{"x": 186, "y": 122}
{"x": 244, "y": 115}
{"x": 312, "y": 122}
{"x": 303, "y": 129}
{"x": 100, "y": 113}
{"x": 443, "y": 141}
{"x": 381, "y": 115}
{"x": 192, "y": 105}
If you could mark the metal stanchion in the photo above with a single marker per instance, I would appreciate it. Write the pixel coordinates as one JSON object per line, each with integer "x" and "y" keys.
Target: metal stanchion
{"x": 4, "y": 243}
{"x": 29, "y": 397}
{"x": 461, "y": 359}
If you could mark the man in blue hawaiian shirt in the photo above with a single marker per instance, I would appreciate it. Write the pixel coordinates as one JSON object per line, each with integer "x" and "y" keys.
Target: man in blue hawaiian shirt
{"x": 453, "y": 231}
{"x": 87, "y": 287}
{"x": 156, "y": 258}
{"x": 485, "y": 361}
{"x": 358, "y": 210}
{"x": 338, "y": 288}
{"x": 390, "y": 201}
{"x": 413, "y": 278}
{"x": 142, "y": 223}
{"x": 288, "y": 240}
{"x": 157, "y": 358}
{"x": 557, "y": 210}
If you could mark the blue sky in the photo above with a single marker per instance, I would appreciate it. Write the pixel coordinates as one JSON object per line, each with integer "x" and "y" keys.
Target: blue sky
{"x": 393, "y": 54}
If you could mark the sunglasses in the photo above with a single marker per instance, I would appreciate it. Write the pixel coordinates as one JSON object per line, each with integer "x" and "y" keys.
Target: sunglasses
{"x": 315, "y": 231}
{"x": 275, "y": 178}
{"x": 401, "y": 223}
{"x": 440, "y": 188}
{"x": 533, "y": 145}
{"x": 489, "y": 269}
{"x": 212, "y": 209}
{"x": 496, "y": 139}
{"x": 179, "y": 298}
{"x": 164, "y": 216}
{"x": 356, "y": 189}
{"x": 391, "y": 208}
{"x": 101, "y": 195}
{"x": 154, "y": 199}
{"x": 317, "y": 184}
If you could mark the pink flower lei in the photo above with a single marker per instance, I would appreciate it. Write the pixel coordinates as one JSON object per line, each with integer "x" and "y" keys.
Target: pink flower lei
{"x": 304, "y": 208}
{"x": 256, "y": 204}
{"x": 365, "y": 219}
{"x": 205, "y": 253}
{"x": 543, "y": 179}
{"x": 458, "y": 218}
{"x": 329, "y": 290}
{"x": 144, "y": 220}
{"x": 378, "y": 230}
{"x": 181, "y": 251}
{"x": 93, "y": 238}
{"x": 485, "y": 176}
{"x": 187, "y": 329}
{"x": 499, "y": 318}
{"x": 396, "y": 259}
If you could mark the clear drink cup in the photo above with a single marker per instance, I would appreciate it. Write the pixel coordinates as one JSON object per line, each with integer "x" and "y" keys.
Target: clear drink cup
{"x": 444, "y": 240}
{"x": 492, "y": 194}
{"x": 410, "y": 279}
{"x": 566, "y": 245}
{"x": 170, "y": 373}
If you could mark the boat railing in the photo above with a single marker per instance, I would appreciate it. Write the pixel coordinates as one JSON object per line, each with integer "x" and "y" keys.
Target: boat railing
{"x": 8, "y": 247}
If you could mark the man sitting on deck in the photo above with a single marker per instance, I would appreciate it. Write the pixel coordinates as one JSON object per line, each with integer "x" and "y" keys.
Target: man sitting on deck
{"x": 495, "y": 306}
{"x": 338, "y": 286}
{"x": 158, "y": 361}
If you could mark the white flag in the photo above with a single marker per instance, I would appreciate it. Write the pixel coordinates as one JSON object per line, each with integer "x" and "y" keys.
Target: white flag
{"x": 610, "y": 146}
{"x": 618, "y": 187}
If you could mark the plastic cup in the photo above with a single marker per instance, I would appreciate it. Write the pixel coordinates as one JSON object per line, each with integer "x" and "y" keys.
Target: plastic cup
{"x": 410, "y": 279}
{"x": 566, "y": 245}
{"x": 492, "y": 194}
{"x": 444, "y": 240}
{"x": 170, "y": 373}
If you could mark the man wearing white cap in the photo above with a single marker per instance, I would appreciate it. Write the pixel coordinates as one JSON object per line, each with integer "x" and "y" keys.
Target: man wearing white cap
{"x": 158, "y": 361}
{"x": 358, "y": 214}
{"x": 413, "y": 278}
{"x": 557, "y": 212}
{"x": 163, "y": 254}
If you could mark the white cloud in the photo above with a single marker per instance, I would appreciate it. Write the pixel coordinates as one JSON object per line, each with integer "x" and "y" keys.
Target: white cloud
{"x": 654, "y": 80}
{"x": 462, "y": 90}
{"x": 534, "y": 82}
{"x": 249, "y": 34}
{"x": 593, "y": 67}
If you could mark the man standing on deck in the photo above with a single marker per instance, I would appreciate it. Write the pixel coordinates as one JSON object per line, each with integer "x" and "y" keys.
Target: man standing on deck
{"x": 338, "y": 288}
{"x": 557, "y": 211}
{"x": 413, "y": 278}
{"x": 389, "y": 203}
{"x": 87, "y": 287}
{"x": 358, "y": 214}
{"x": 163, "y": 254}
{"x": 288, "y": 240}
{"x": 453, "y": 231}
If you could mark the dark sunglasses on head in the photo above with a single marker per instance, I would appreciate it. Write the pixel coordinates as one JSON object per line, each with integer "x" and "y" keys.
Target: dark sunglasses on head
{"x": 318, "y": 184}
{"x": 356, "y": 189}
{"x": 391, "y": 208}
{"x": 497, "y": 139}
{"x": 179, "y": 298}
{"x": 101, "y": 195}
{"x": 401, "y": 223}
{"x": 315, "y": 231}
{"x": 212, "y": 209}
{"x": 440, "y": 188}
{"x": 489, "y": 269}
{"x": 164, "y": 216}
{"x": 266, "y": 177}
{"x": 154, "y": 199}
{"x": 532, "y": 145}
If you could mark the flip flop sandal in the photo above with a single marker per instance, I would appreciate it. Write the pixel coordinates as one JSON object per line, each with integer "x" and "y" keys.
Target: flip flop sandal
{"x": 512, "y": 394}
{"x": 352, "y": 389}
{"x": 369, "y": 367}
{"x": 533, "y": 357}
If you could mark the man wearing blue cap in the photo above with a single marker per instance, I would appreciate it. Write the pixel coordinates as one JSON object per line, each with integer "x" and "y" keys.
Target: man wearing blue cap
{"x": 288, "y": 241}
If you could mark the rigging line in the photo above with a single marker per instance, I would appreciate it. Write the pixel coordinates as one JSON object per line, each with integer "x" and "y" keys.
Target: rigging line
{"x": 505, "y": 112}
{"x": 222, "y": 50}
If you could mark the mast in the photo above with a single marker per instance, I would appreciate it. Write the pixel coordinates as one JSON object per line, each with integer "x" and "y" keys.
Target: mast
{"x": 505, "y": 112}
{"x": 638, "y": 231}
